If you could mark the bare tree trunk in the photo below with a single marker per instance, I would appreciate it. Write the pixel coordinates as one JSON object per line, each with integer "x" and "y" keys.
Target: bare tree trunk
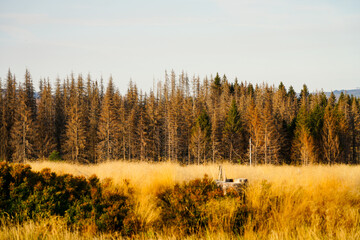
{"x": 231, "y": 149}
{"x": 24, "y": 142}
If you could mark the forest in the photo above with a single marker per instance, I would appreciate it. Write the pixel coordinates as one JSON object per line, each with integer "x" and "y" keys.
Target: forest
{"x": 186, "y": 119}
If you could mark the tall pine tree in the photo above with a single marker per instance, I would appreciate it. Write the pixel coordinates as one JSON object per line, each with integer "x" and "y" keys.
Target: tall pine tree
{"x": 330, "y": 136}
{"x": 23, "y": 131}
{"x": 3, "y": 130}
{"x": 107, "y": 126}
{"x": 45, "y": 141}
{"x": 75, "y": 135}
{"x": 232, "y": 130}
{"x": 200, "y": 137}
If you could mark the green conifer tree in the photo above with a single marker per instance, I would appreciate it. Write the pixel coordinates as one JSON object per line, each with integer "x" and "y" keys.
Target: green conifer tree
{"x": 232, "y": 129}
{"x": 200, "y": 137}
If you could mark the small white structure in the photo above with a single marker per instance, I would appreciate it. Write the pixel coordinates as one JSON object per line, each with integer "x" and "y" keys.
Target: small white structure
{"x": 238, "y": 184}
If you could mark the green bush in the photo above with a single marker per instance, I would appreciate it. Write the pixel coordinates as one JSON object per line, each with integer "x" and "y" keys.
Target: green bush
{"x": 54, "y": 156}
{"x": 183, "y": 208}
{"x": 86, "y": 204}
{"x": 82, "y": 202}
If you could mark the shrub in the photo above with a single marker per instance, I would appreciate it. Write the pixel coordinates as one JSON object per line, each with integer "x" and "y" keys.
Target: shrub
{"x": 5, "y": 181}
{"x": 184, "y": 207}
{"x": 87, "y": 205}
{"x": 84, "y": 203}
{"x": 105, "y": 209}
{"x": 54, "y": 156}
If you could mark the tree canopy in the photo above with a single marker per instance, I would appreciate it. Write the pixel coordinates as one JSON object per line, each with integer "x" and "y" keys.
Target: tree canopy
{"x": 190, "y": 121}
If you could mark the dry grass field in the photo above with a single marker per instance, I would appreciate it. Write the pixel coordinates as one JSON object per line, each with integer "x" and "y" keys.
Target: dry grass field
{"x": 287, "y": 202}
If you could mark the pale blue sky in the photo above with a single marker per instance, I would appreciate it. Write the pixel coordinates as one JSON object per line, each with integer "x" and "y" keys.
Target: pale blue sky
{"x": 315, "y": 42}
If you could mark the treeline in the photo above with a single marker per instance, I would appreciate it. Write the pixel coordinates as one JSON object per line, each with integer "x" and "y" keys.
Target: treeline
{"x": 184, "y": 119}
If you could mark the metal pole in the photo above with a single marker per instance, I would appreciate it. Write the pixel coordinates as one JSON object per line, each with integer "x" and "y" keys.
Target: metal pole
{"x": 250, "y": 151}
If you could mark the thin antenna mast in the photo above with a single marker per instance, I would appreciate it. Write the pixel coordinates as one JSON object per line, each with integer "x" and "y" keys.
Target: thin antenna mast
{"x": 250, "y": 150}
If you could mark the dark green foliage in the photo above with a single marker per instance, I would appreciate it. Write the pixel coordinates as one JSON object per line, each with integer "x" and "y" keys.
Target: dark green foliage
{"x": 54, "y": 156}
{"x": 232, "y": 129}
{"x": 101, "y": 208}
{"x": 233, "y": 121}
{"x": 5, "y": 180}
{"x": 183, "y": 208}
{"x": 87, "y": 204}
{"x": 304, "y": 92}
{"x": 316, "y": 121}
{"x": 291, "y": 92}
{"x": 250, "y": 89}
{"x": 217, "y": 81}
{"x": 82, "y": 202}
{"x": 282, "y": 87}
{"x": 203, "y": 121}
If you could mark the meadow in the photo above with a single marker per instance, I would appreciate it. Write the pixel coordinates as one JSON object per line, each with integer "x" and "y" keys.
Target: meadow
{"x": 282, "y": 202}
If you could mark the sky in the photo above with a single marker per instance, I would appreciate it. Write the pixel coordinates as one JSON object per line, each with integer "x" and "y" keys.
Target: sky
{"x": 312, "y": 42}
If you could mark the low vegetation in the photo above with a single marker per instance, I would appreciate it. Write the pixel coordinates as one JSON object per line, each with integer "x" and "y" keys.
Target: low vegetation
{"x": 57, "y": 200}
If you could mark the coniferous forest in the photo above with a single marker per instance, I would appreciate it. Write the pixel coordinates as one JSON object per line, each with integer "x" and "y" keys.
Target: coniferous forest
{"x": 185, "y": 119}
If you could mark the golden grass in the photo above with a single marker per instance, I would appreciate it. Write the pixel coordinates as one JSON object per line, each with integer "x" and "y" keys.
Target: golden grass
{"x": 168, "y": 172}
{"x": 53, "y": 228}
{"x": 310, "y": 202}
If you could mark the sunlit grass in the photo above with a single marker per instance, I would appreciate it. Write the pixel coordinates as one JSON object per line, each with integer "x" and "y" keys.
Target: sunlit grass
{"x": 286, "y": 202}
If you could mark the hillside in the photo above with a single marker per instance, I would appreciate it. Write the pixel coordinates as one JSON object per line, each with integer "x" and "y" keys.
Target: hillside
{"x": 354, "y": 92}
